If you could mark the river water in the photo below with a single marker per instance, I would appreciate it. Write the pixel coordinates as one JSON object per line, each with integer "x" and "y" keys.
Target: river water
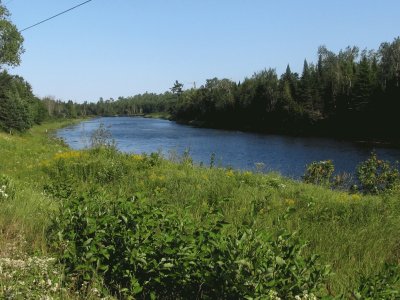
{"x": 240, "y": 150}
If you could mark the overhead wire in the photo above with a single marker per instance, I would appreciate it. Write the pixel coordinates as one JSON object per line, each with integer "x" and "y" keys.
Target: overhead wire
{"x": 55, "y": 16}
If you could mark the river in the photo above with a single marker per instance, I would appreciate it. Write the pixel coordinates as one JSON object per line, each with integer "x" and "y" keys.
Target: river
{"x": 240, "y": 150}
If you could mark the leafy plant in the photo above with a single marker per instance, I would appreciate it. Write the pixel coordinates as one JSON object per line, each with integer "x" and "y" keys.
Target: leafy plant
{"x": 377, "y": 175}
{"x": 319, "y": 172}
{"x": 384, "y": 285}
{"x": 139, "y": 249}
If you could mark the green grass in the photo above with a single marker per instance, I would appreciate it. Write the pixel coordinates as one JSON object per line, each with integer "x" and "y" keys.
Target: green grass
{"x": 25, "y": 218}
{"x": 20, "y": 159}
{"x": 353, "y": 233}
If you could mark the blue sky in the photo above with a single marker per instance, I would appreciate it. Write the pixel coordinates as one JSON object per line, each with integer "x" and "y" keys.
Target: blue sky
{"x": 124, "y": 47}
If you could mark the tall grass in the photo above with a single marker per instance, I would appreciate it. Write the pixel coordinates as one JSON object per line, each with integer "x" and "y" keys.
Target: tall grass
{"x": 26, "y": 271}
{"x": 353, "y": 233}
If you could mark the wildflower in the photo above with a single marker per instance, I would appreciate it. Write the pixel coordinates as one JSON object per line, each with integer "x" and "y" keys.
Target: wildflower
{"x": 68, "y": 155}
{"x": 273, "y": 295}
{"x": 290, "y": 202}
{"x": 230, "y": 173}
{"x": 137, "y": 157}
{"x": 55, "y": 287}
{"x": 205, "y": 177}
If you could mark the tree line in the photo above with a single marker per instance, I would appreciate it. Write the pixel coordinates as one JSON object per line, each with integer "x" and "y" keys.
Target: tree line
{"x": 353, "y": 93}
{"x": 19, "y": 108}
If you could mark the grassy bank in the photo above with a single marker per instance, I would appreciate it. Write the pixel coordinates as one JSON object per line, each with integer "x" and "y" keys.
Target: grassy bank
{"x": 354, "y": 234}
{"x": 26, "y": 270}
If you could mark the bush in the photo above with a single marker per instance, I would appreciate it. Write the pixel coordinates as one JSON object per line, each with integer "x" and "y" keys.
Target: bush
{"x": 375, "y": 175}
{"x": 140, "y": 250}
{"x": 102, "y": 137}
{"x": 319, "y": 172}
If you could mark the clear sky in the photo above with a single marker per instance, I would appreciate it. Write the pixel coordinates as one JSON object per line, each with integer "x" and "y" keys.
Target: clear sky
{"x": 111, "y": 48}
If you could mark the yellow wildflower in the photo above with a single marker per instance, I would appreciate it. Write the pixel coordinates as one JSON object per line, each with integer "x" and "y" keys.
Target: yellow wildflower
{"x": 230, "y": 173}
{"x": 137, "y": 157}
{"x": 68, "y": 155}
{"x": 290, "y": 202}
{"x": 355, "y": 197}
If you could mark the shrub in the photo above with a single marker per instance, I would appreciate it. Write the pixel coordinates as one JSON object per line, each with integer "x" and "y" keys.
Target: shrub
{"x": 319, "y": 172}
{"x": 375, "y": 175}
{"x": 140, "y": 250}
{"x": 102, "y": 137}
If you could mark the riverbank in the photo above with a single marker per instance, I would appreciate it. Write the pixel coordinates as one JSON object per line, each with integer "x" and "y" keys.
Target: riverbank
{"x": 159, "y": 115}
{"x": 316, "y": 131}
{"x": 353, "y": 233}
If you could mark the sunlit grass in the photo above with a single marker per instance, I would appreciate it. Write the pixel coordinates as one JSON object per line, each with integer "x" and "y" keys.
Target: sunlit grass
{"x": 354, "y": 233}
{"x": 26, "y": 271}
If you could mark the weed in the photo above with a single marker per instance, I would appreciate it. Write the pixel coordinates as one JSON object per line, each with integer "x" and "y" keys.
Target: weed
{"x": 319, "y": 172}
{"x": 7, "y": 189}
{"x": 376, "y": 176}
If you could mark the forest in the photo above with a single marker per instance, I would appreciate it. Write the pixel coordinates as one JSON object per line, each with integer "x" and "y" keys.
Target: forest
{"x": 354, "y": 93}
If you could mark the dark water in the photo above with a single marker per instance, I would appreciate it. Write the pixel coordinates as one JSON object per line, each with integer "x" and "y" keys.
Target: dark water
{"x": 287, "y": 155}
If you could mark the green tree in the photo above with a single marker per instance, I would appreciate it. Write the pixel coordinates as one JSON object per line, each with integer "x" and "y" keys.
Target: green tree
{"x": 177, "y": 89}
{"x": 390, "y": 62}
{"x": 363, "y": 84}
{"x": 15, "y": 113}
{"x": 10, "y": 40}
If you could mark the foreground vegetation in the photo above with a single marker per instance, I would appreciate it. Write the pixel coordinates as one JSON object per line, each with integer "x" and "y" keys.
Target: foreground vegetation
{"x": 99, "y": 223}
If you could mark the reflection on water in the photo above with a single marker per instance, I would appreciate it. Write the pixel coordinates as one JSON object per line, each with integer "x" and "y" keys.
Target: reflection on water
{"x": 285, "y": 154}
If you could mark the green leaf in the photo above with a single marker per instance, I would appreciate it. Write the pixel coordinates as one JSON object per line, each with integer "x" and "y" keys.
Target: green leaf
{"x": 280, "y": 261}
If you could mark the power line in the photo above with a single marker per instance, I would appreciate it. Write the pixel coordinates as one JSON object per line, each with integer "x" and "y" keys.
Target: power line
{"x": 59, "y": 14}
